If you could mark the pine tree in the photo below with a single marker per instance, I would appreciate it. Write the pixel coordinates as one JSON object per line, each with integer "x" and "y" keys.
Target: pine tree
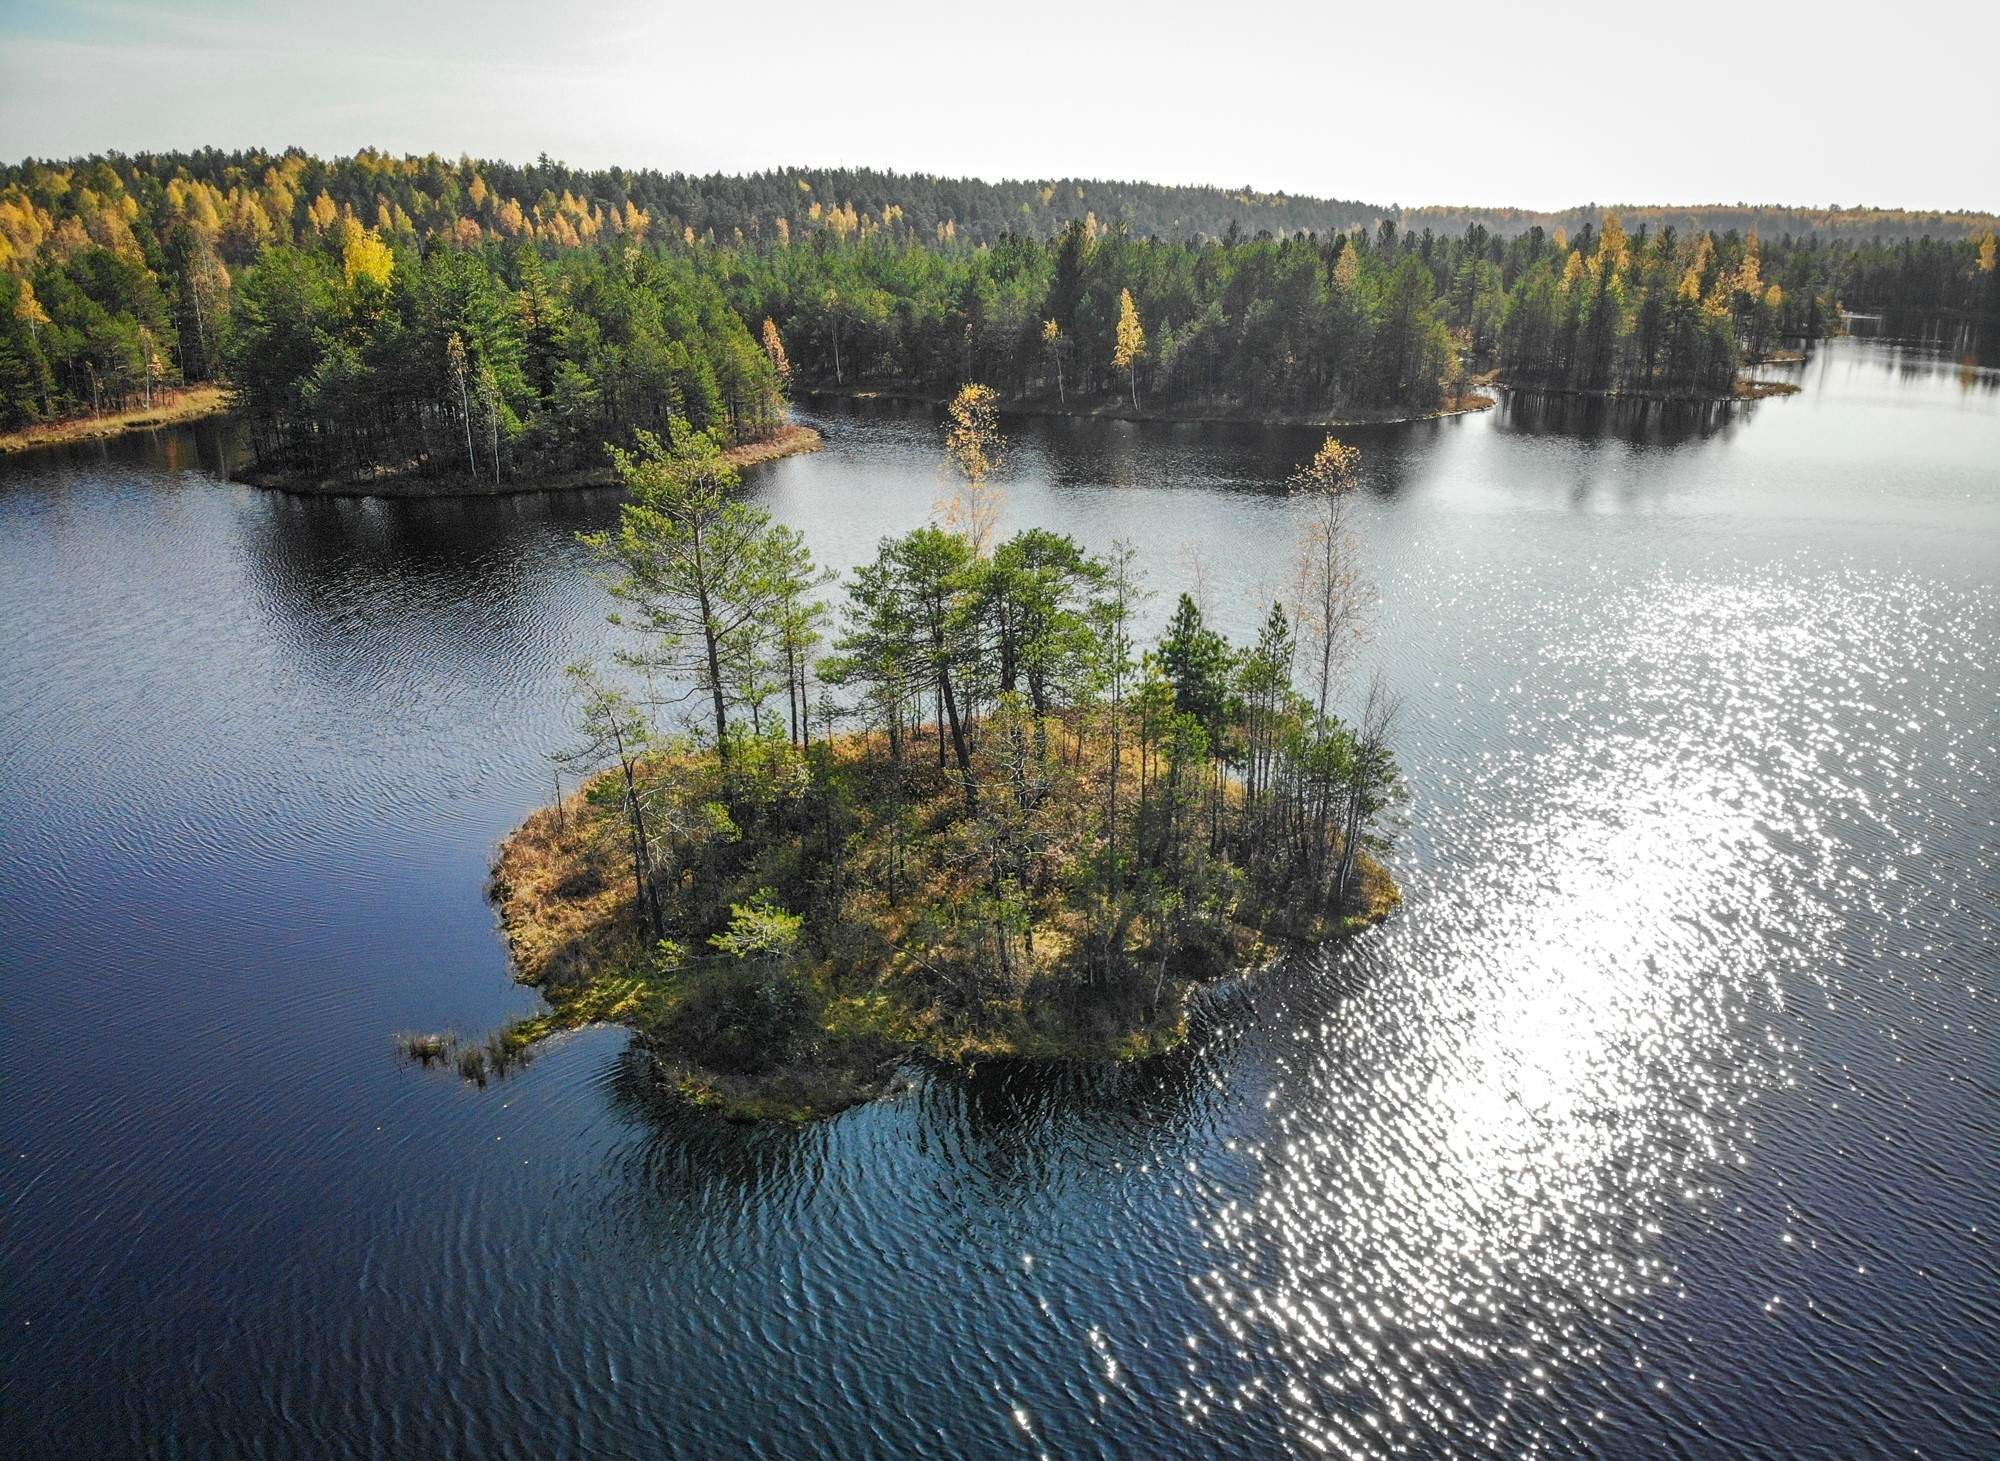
{"x": 696, "y": 564}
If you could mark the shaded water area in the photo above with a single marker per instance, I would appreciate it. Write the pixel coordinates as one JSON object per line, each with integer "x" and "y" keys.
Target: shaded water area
{"x": 1662, "y": 1120}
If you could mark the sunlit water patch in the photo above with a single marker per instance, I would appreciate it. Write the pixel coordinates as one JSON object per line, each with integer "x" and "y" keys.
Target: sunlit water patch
{"x": 1488, "y": 1156}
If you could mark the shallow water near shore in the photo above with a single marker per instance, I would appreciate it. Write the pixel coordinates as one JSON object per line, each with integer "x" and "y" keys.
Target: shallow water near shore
{"x": 1661, "y": 1119}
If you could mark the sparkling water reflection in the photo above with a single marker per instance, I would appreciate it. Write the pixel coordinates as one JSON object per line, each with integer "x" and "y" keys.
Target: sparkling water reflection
{"x": 1661, "y": 1121}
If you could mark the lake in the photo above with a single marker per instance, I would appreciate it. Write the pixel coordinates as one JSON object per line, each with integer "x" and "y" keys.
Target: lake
{"x": 1661, "y": 1120}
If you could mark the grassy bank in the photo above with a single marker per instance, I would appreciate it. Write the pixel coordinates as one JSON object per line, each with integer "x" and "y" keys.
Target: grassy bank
{"x": 878, "y": 973}
{"x": 169, "y": 408}
{"x": 788, "y": 441}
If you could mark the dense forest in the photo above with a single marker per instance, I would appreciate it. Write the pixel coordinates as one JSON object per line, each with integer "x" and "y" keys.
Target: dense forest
{"x": 414, "y": 314}
{"x": 1315, "y": 325}
{"x": 352, "y": 357}
{"x": 1016, "y": 830}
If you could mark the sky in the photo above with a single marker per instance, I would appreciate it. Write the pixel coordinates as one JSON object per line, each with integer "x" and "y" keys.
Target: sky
{"x": 1530, "y": 104}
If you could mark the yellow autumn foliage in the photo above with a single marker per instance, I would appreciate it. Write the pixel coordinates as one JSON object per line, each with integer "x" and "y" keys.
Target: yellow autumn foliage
{"x": 1131, "y": 344}
{"x": 364, "y": 256}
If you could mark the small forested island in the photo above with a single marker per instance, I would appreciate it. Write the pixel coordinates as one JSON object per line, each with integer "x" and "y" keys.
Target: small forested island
{"x": 987, "y": 824}
{"x": 417, "y": 324}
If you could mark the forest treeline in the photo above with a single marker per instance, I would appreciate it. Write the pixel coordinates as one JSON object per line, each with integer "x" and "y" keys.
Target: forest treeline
{"x": 1018, "y": 828}
{"x": 477, "y": 318}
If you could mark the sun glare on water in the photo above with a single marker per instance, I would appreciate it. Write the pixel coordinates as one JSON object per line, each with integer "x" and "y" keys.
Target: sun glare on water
{"x": 1583, "y": 1017}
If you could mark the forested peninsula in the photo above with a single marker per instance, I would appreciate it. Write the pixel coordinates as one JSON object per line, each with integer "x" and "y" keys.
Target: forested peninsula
{"x": 443, "y": 325}
{"x": 967, "y": 816}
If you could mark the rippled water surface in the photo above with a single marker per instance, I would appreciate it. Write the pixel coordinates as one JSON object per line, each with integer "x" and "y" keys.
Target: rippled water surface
{"x": 1661, "y": 1121}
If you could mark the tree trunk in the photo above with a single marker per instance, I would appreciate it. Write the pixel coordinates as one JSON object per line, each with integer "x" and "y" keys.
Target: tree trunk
{"x": 708, "y": 639}
{"x": 792, "y": 692}
{"x": 465, "y": 410}
{"x": 649, "y": 911}
{"x": 958, "y": 745}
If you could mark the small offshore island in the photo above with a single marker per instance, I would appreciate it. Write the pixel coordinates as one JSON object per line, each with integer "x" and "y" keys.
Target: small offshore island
{"x": 1029, "y": 839}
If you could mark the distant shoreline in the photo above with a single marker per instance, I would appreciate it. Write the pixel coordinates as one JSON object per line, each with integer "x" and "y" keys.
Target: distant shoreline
{"x": 176, "y": 408}
{"x": 1746, "y": 389}
{"x": 791, "y": 441}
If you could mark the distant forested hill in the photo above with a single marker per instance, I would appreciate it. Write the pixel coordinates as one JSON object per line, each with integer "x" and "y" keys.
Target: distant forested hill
{"x": 1826, "y": 224}
{"x": 508, "y": 200}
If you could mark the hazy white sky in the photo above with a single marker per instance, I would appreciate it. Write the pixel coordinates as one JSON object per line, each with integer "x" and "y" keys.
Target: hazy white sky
{"x": 1528, "y": 103}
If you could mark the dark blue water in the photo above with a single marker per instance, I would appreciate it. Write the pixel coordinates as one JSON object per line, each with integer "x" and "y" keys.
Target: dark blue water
{"x": 1661, "y": 1121}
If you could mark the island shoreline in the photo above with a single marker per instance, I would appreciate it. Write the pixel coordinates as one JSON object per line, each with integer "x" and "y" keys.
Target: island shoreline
{"x": 790, "y": 441}
{"x": 1199, "y": 415}
{"x": 573, "y": 934}
{"x": 1746, "y": 389}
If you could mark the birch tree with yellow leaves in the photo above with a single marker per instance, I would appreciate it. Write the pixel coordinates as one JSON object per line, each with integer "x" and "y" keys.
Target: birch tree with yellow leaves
{"x": 973, "y": 442}
{"x": 1052, "y": 345}
{"x": 1329, "y": 594}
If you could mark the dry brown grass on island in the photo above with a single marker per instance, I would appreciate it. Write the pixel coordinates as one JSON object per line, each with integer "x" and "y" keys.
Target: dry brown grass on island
{"x": 787, "y": 441}
{"x": 169, "y": 408}
{"x": 1756, "y": 390}
{"x": 902, "y": 969}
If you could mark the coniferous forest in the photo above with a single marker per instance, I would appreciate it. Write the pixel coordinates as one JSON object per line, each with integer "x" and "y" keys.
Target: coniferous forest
{"x": 482, "y": 320}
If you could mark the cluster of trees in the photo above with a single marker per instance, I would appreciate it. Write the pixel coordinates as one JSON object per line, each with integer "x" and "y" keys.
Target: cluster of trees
{"x": 1311, "y": 324}
{"x": 121, "y": 274}
{"x": 1293, "y": 326}
{"x": 1619, "y": 313}
{"x": 1045, "y": 815}
{"x": 1656, "y": 312}
{"x": 86, "y": 322}
{"x": 1917, "y": 280}
{"x": 352, "y": 356}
